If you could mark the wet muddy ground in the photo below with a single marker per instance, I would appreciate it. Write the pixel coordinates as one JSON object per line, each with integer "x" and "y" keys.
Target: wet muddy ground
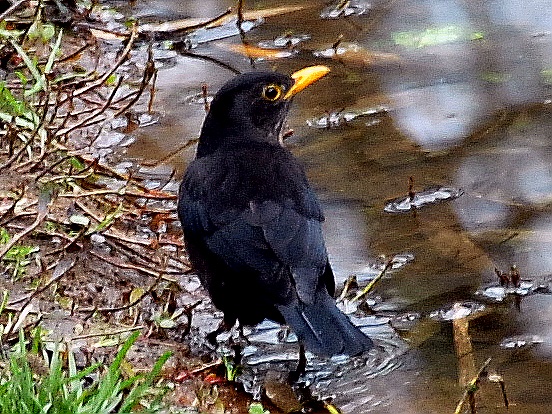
{"x": 429, "y": 146}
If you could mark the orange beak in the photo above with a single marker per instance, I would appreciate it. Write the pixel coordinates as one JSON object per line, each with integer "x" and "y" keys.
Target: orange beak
{"x": 304, "y": 77}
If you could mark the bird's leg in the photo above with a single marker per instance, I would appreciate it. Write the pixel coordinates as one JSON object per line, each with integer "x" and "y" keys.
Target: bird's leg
{"x": 242, "y": 336}
{"x": 301, "y": 366}
{"x": 224, "y": 326}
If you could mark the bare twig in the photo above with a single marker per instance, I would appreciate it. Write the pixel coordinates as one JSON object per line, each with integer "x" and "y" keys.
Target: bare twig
{"x": 166, "y": 29}
{"x": 16, "y": 238}
{"x": 149, "y": 72}
{"x": 63, "y": 265}
{"x": 123, "y": 265}
{"x": 90, "y": 119}
{"x": 11, "y": 209}
{"x": 10, "y": 9}
{"x": 121, "y": 192}
{"x": 119, "y": 62}
{"x": 111, "y": 333}
{"x": 173, "y": 154}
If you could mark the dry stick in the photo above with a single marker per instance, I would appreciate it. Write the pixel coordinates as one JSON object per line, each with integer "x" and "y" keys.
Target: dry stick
{"x": 120, "y": 236}
{"x": 129, "y": 305}
{"x": 210, "y": 59}
{"x": 118, "y": 63}
{"x": 15, "y": 156}
{"x": 77, "y": 176}
{"x": 16, "y": 238}
{"x": 51, "y": 167}
{"x": 74, "y": 54}
{"x": 123, "y": 265}
{"x": 149, "y": 71}
{"x": 176, "y": 152}
{"x": 138, "y": 256}
{"x": 11, "y": 9}
{"x": 67, "y": 245}
{"x": 110, "y": 172}
{"x": 11, "y": 209}
{"x": 37, "y": 292}
{"x": 350, "y": 281}
{"x": 88, "y": 121}
{"x": 117, "y": 332}
{"x": 176, "y": 29}
{"x": 152, "y": 92}
{"x": 122, "y": 192}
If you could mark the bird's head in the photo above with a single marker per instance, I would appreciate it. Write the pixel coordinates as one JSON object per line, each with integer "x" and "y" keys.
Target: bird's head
{"x": 252, "y": 107}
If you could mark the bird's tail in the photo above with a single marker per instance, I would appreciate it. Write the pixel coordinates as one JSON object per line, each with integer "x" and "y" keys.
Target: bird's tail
{"x": 323, "y": 328}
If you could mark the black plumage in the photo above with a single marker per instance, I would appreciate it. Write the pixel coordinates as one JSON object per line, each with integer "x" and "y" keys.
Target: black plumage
{"x": 252, "y": 223}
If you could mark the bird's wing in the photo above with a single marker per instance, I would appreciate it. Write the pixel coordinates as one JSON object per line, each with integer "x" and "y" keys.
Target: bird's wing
{"x": 266, "y": 236}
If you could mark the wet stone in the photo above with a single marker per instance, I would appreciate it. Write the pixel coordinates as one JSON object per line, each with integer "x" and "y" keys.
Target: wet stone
{"x": 457, "y": 311}
{"x": 521, "y": 341}
{"x": 421, "y": 199}
{"x": 497, "y": 293}
{"x": 285, "y": 41}
{"x": 344, "y": 9}
{"x": 339, "y": 118}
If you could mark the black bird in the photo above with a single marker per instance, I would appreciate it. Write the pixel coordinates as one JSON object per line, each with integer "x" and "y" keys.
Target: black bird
{"x": 252, "y": 223}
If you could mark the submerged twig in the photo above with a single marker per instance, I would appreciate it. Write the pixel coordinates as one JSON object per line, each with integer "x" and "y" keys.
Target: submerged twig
{"x": 471, "y": 388}
{"x": 373, "y": 282}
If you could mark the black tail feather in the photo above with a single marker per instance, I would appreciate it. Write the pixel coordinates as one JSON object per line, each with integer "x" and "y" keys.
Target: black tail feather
{"x": 323, "y": 328}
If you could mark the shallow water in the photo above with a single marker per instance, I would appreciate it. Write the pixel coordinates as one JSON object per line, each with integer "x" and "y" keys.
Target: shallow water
{"x": 453, "y": 94}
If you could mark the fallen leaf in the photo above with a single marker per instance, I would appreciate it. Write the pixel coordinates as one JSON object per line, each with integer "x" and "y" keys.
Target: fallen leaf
{"x": 258, "y": 52}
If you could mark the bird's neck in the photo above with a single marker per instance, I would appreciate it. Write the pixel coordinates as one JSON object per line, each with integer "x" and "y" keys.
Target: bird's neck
{"x": 215, "y": 135}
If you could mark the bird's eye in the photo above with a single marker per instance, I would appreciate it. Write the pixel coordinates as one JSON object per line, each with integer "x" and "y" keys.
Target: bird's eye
{"x": 272, "y": 92}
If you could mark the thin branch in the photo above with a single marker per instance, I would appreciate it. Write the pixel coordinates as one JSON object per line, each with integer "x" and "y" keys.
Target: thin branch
{"x": 89, "y": 120}
{"x": 123, "y": 265}
{"x": 119, "y": 62}
{"x": 169, "y": 29}
{"x": 10, "y": 9}
{"x": 173, "y": 154}
{"x": 149, "y": 72}
{"x": 122, "y": 192}
{"x": 16, "y": 238}
{"x": 112, "y": 333}
{"x": 472, "y": 386}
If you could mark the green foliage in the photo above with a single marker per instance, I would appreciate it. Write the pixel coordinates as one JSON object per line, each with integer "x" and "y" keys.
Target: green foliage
{"x": 9, "y": 105}
{"x": 26, "y": 389}
{"x": 257, "y": 408}
{"x": 18, "y": 257}
{"x": 4, "y": 236}
{"x": 233, "y": 370}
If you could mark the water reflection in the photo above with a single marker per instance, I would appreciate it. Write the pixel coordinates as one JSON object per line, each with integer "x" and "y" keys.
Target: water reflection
{"x": 460, "y": 64}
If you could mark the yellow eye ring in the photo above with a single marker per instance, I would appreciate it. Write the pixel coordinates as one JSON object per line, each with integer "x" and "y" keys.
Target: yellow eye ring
{"x": 272, "y": 92}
